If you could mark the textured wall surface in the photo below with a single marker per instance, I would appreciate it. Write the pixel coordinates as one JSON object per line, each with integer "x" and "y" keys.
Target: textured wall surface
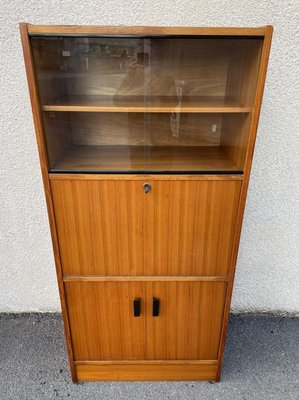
{"x": 267, "y": 277}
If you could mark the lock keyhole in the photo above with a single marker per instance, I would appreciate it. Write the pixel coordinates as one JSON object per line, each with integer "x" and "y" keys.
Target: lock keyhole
{"x": 146, "y": 187}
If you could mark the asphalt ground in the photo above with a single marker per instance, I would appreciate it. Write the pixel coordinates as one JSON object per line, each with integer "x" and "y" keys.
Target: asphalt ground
{"x": 261, "y": 362}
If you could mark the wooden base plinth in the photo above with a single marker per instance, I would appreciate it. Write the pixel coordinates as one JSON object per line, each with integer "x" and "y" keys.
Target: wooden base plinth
{"x": 145, "y": 371}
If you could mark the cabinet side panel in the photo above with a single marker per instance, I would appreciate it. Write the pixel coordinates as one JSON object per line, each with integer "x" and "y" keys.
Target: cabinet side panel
{"x": 44, "y": 168}
{"x": 248, "y": 162}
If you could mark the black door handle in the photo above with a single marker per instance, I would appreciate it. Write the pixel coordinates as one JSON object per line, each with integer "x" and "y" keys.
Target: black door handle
{"x": 137, "y": 307}
{"x": 156, "y": 307}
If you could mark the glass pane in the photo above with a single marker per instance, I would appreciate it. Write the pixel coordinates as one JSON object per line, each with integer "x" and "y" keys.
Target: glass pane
{"x": 92, "y": 96}
{"x": 180, "y": 104}
{"x": 91, "y": 141}
{"x": 200, "y": 99}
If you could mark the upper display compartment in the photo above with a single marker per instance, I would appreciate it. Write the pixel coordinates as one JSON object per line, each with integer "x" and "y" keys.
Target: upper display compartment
{"x": 147, "y": 104}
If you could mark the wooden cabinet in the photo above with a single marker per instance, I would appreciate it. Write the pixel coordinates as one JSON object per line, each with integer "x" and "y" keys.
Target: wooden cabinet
{"x": 146, "y": 139}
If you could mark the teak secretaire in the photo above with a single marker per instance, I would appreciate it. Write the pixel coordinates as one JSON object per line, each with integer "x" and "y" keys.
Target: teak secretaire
{"x": 145, "y": 138}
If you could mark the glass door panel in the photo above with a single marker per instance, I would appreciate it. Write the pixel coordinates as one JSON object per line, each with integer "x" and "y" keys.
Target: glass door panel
{"x": 92, "y": 92}
{"x": 156, "y": 105}
{"x": 200, "y": 98}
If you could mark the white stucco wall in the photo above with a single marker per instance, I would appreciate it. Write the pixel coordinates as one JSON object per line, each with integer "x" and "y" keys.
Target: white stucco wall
{"x": 267, "y": 278}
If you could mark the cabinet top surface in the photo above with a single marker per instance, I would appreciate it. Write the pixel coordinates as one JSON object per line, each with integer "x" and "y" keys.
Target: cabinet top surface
{"x": 142, "y": 30}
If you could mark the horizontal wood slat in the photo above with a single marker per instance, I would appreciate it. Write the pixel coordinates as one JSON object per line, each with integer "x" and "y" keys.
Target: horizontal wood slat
{"x": 142, "y": 30}
{"x": 151, "y": 372}
{"x": 155, "y": 104}
{"x": 78, "y": 278}
{"x": 142, "y": 362}
{"x": 142, "y": 177}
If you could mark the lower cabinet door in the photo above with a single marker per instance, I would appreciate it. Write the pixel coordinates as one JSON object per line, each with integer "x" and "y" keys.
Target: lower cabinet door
{"x": 178, "y": 320}
{"x": 189, "y": 323}
{"x": 102, "y": 321}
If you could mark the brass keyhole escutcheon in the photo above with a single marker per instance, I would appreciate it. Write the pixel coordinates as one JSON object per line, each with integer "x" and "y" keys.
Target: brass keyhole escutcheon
{"x": 146, "y": 187}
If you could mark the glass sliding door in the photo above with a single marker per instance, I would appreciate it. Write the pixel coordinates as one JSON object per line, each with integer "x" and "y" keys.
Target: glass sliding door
{"x": 146, "y": 104}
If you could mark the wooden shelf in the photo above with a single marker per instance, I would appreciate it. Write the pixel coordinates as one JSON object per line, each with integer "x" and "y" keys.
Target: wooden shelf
{"x": 139, "y": 104}
{"x": 147, "y": 159}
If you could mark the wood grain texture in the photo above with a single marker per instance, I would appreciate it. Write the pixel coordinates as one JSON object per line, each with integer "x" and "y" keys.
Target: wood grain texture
{"x": 248, "y": 162}
{"x": 144, "y": 372}
{"x": 188, "y": 326}
{"x": 144, "y": 30}
{"x": 189, "y": 321}
{"x": 126, "y": 159}
{"x": 114, "y": 228}
{"x": 102, "y": 322}
{"x": 35, "y": 103}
